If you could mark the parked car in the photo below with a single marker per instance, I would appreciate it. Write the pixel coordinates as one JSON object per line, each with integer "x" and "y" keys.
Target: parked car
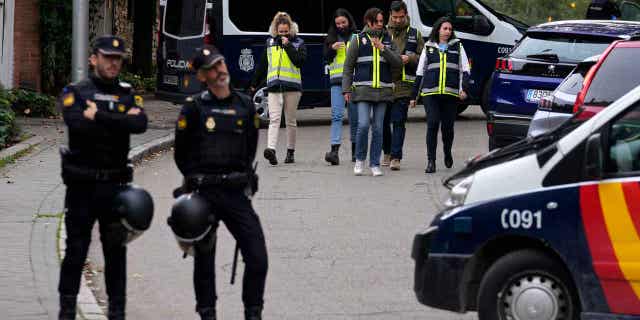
{"x": 615, "y": 74}
{"x": 537, "y": 65}
{"x": 556, "y": 108}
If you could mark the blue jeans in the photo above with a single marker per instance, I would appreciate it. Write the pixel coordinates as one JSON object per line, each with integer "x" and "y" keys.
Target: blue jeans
{"x": 364, "y": 114}
{"x": 337, "y": 113}
{"x": 394, "y": 126}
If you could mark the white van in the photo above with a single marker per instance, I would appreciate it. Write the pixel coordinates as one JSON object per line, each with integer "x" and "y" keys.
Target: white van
{"x": 239, "y": 29}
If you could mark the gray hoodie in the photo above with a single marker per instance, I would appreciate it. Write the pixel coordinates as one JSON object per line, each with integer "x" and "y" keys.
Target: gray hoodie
{"x": 367, "y": 93}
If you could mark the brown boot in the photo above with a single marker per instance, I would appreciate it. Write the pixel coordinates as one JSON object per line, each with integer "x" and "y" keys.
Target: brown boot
{"x": 395, "y": 164}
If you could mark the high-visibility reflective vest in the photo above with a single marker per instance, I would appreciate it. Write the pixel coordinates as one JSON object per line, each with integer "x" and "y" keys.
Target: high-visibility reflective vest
{"x": 281, "y": 71}
{"x": 336, "y": 67}
{"x": 410, "y": 47}
{"x": 372, "y": 69}
{"x": 442, "y": 73}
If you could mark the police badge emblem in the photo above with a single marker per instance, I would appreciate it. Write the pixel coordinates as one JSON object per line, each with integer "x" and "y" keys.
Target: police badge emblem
{"x": 211, "y": 124}
{"x": 364, "y": 41}
{"x": 246, "y": 60}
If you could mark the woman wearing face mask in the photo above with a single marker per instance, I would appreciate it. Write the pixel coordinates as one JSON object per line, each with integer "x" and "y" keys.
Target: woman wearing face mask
{"x": 335, "y": 52}
{"x": 281, "y": 61}
{"x": 442, "y": 81}
{"x": 367, "y": 81}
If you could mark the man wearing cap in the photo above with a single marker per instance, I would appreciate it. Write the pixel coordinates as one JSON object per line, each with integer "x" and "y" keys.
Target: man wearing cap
{"x": 215, "y": 147}
{"x": 101, "y": 113}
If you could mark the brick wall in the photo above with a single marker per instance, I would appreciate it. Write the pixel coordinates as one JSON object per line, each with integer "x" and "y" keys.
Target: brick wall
{"x": 26, "y": 44}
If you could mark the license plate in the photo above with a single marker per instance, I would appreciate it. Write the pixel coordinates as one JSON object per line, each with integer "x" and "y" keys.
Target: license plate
{"x": 534, "y": 95}
{"x": 173, "y": 80}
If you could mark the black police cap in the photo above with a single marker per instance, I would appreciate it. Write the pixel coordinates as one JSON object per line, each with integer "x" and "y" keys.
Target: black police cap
{"x": 109, "y": 45}
{"x": 206, "y": 57}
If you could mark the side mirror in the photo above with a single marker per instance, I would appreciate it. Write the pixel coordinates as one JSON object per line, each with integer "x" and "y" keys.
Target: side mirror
{"x": 593, "y": 163}
{"x": 481, "y": 25}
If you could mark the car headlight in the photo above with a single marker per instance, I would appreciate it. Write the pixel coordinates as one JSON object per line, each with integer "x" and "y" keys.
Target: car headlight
{"x": 459, "y": 193}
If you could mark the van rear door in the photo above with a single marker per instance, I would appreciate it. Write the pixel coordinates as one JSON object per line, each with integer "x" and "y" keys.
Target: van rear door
{"x": 183, "y": 30}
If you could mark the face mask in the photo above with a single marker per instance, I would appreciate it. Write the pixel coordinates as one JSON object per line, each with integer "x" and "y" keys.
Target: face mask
{"x": 375, "y": 33}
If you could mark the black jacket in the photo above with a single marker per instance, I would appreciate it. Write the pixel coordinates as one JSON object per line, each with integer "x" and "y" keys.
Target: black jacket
{"x": 102, "y": 143}
{"x": 216, "y": 135}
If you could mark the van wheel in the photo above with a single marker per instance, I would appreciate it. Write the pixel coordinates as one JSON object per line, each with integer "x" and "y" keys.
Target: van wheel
{"x": 484, "y": 100}
{"x": 526, "y": 285}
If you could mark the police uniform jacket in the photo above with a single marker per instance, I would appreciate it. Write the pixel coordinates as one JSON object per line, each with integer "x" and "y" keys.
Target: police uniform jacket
{"x": 297, "y": 53}
{"x": 408, "y": 41}
{"x": 102, "y": 143}
{"x": 434, "y": 74}
{"x": 216, "y": 136}
{"x": 366, "y": 92}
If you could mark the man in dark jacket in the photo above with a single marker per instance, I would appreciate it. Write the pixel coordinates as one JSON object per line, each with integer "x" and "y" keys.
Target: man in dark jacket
{"x": 101, "y": 113}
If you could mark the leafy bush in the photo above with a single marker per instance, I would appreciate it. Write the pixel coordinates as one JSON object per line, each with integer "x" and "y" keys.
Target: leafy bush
{"x": 7, "y": 118}
{"x": 139, "y": 84}
{"x": 33, "y": 104}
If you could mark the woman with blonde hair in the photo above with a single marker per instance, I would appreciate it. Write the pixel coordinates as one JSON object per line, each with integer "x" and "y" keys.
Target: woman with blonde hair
{"x": 281, "y": 61}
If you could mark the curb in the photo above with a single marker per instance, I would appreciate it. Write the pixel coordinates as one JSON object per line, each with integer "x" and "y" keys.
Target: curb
{"x": 88, "y": 306}
{"x": 16, "y": 149}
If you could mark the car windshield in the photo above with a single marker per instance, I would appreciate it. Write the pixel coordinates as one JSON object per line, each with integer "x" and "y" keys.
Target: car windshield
{"x": 559, "y": 48}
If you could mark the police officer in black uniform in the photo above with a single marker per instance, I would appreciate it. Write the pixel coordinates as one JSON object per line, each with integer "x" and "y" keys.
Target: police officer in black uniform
{"x": 215, "y": 146}
{"x": 101, "y": 113}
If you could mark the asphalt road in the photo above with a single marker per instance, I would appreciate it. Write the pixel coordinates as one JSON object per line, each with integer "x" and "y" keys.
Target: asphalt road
{"x": 339, "y": 245}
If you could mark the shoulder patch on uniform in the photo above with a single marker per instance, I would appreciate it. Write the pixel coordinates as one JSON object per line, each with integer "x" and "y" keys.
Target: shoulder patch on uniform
{"x": 68, "y": 99}
{"x": 182, "y": 122}
{"x": 139, "y": 101}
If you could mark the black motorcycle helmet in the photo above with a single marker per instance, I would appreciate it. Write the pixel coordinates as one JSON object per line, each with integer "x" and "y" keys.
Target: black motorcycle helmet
{"x": 134, "y": 206}
{"x": 191, "y": 220}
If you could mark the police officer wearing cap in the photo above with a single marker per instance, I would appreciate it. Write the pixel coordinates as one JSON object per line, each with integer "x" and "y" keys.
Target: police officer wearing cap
{"x": 215, "y": 147}
{"x": 101, "y": 113}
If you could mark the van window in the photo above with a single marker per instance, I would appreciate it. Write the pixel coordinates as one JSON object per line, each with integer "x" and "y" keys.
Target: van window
{"x": 306, "y": 13}
{"x": 184, "y": 18}
{"x": 465, "y": 14}
{"x": 624, "y": 143}
{"x": 618, "y": 68}
{"x": 567, "y": 49}
{"x": 630, "y": 11}
{"x": 432, "y": 10}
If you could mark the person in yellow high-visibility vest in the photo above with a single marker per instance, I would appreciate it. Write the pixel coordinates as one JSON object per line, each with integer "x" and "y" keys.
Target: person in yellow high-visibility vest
{"x": 281, "y": 61}
{"x": 340, "y": 32}
{"x": 442, "y": 81}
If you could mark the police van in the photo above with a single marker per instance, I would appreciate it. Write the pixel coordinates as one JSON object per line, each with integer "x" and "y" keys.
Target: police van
{"x": 239, "y": 29}
{"x": 546, "y": 228}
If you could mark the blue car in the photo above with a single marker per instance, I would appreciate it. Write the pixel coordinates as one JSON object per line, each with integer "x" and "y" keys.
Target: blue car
{"x": 545, "y": 55}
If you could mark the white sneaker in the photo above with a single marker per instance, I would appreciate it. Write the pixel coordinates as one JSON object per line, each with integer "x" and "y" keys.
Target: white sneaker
{"x": 358, "y": 169}
{"x": 376, "y": 171}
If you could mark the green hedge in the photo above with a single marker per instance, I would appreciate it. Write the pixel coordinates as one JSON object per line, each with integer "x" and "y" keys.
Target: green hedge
{"x": 8, "y": 128}
{"x": 33, "y": 104}
{"x": 140, "y": 84}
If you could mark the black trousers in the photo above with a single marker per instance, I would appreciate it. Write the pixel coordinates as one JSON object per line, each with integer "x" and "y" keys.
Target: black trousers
{"x": 234, "y": 208}
{"x": 84, "y": 204}
{"x": 395, "y": 117}
{"x": 441, "y": 113}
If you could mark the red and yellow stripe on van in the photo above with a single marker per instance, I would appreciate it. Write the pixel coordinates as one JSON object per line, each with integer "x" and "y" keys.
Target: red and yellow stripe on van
{"x": 611, "y": 218}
